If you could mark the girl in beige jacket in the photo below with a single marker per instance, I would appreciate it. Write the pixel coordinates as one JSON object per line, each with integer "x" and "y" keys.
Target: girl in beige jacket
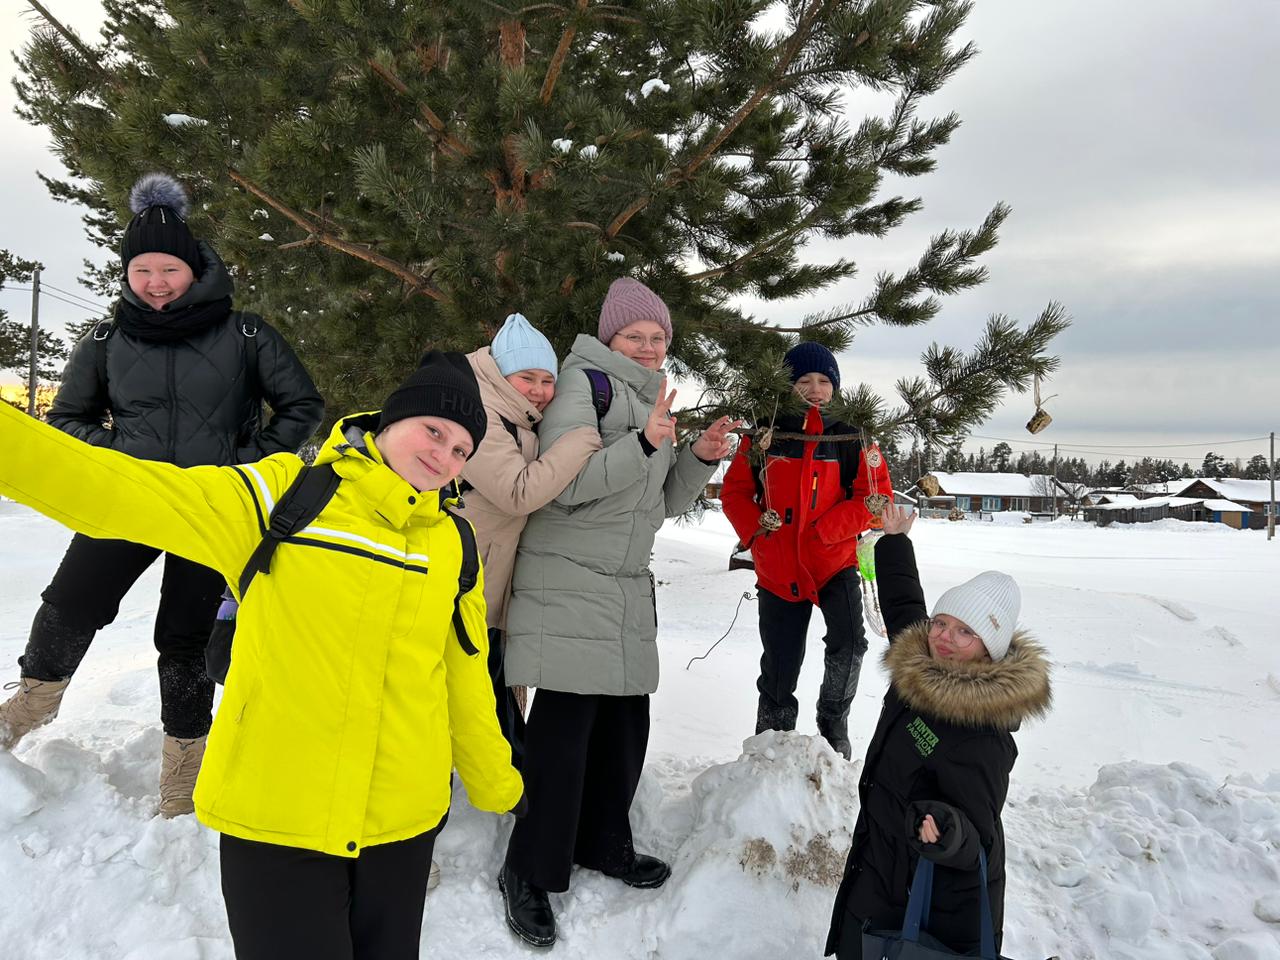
{"x": 507, "y": 480}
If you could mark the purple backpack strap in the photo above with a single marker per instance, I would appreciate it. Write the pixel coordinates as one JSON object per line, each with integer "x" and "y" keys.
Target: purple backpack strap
{"x": 601, "y": 393}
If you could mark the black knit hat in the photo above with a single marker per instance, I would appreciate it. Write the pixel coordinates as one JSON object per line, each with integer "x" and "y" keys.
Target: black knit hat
{"x": 160, "y": 206}
{"x": 444, "y": 385}
{"x": 810, "y": 357}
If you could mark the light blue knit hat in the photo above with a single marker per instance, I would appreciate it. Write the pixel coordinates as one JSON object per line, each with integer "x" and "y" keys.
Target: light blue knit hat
{"x": 519, "y": 346}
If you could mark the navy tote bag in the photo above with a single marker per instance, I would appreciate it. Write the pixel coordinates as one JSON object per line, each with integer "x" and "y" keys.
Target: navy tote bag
{"x": 913, "y": 941}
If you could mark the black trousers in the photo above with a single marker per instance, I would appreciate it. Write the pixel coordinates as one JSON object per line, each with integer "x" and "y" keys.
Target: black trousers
{"x": 510, "y": 719}
{"x": 85, "y": 596}
{"x": 783, "y": 628}
{"x": 285, "y": 902}
{"x": 583, "y": 757}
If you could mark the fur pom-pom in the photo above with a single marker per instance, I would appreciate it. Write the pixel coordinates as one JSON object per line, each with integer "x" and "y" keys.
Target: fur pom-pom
{"x": 159, "y": 190}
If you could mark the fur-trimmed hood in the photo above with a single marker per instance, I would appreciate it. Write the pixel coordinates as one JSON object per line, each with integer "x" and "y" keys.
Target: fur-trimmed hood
{"x": 979, "y": 693}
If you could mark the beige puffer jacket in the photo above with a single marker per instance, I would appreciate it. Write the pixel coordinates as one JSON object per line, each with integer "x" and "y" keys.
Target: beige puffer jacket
{"x": 509, "y": 480}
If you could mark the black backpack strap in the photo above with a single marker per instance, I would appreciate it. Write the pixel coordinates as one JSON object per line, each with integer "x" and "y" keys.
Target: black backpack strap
{"x": 311, "y": 489}
{"x": 101, "y": 334}
{"x": 468, "y": 574}
{"x": 250, "y": 324}
{"x": 512, "y": 429}
{"x": 601, "y": 393}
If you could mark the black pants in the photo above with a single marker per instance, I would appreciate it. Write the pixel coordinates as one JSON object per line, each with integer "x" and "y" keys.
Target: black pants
{"x": 285, "y": 902}
{"x": 85, "y": 596}
{"x": 510, "y": 719}
{"x": 583, "y": 757}
{"x": 783, "y": 628}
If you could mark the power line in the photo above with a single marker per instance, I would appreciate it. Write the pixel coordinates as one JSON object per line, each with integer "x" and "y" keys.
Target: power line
{"x": 44, "y": 293}
{"x": 1128, "y": 446}
{"x": 92, "y": 303}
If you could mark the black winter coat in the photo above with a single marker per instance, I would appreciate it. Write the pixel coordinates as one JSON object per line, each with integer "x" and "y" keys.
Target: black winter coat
{"x": 190, "y": 402}
{"x": 943, "y": 745}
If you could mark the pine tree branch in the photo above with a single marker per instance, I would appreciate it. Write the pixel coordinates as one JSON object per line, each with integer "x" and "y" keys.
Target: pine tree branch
{"x": 562, "y": 53}
{"x": 71, "y": 38}
{"x": 763, "y": 247}
{"x": 790, "y": 50}
{"x": 445, "y": 139}
{"x": 825, "y": 322}
{"x": 360, "y": 251}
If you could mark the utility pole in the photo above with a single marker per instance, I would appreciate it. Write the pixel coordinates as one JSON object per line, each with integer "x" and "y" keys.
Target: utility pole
{"x": 1271, "y": 514}
{"x": 32, "y": 382}
{"x": 1055, "y": 481}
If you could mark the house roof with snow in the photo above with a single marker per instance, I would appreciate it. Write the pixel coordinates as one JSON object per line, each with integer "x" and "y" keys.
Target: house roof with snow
{"x": 1149, "y": 502}
{"x": 993, "y": 484}
{"x": 1253, "y": 491}
{"x": 1225, "y": 506}
{"x": 1102, "y": 496}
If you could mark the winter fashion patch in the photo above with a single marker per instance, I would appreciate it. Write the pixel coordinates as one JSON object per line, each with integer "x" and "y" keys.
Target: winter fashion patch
{"x": 520, "y": 346}
{"x": 812, "y": 357}
{"x": 159, "y": 204}
{"x": 628, "y": 301}
{"x": 444, "y": 386}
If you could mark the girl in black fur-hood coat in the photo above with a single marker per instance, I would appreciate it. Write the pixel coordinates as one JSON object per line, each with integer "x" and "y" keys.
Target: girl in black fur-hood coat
{"x": 937, "y": 769}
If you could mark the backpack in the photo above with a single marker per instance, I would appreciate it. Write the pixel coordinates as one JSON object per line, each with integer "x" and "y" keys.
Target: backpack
{"x": 306, "y": 497}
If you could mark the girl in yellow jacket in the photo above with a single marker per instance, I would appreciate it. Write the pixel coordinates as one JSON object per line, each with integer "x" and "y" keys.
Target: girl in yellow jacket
{"x": 350, "y": 697}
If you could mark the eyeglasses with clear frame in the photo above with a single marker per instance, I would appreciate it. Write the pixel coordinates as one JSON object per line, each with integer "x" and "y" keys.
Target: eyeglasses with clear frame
{"x": 960, "y": 634}
{"x": 657, "y": 342}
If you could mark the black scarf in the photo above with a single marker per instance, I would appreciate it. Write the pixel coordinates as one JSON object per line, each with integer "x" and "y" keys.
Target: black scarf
{"x": 170, "y": 326}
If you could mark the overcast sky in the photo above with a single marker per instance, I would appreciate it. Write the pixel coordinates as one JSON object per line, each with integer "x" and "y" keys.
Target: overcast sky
{"x": 1138, "y": 144}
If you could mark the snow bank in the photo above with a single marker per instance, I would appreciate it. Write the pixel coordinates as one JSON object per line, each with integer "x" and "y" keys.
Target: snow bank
{"x": 1151, "y": 861}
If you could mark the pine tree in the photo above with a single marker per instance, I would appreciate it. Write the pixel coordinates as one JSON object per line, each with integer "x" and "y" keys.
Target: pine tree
{"x": 383, "y": 176}
{"x": 15, "y": 337}
{"x": 1214, "y": 466}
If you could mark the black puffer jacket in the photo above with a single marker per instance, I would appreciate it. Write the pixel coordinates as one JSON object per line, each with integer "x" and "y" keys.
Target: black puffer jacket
{"x": 943, "y": 745}
{"x": 190, "y": 402}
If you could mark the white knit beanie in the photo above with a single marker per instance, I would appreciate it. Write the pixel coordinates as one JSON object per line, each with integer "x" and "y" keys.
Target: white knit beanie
{"x": 988, "y": 604}
{"x": 519, "y": 346}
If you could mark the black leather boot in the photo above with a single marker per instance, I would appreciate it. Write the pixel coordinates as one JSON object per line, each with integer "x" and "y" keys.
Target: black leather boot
{"x": 645, "y": 873}
{"x": 528, "y": 909}
{"x": 835, "y": 730}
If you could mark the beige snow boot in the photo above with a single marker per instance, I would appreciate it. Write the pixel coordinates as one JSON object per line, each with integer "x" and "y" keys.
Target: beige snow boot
{"x": 35, "y": 704}
{"x": 179, "y": 767}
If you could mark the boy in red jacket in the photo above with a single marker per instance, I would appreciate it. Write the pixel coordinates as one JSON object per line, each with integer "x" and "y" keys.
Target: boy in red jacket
{"x": 816, "y": 488}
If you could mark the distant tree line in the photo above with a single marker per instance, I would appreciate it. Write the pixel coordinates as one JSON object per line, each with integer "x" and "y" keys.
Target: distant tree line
{"x": 906, "y": 465}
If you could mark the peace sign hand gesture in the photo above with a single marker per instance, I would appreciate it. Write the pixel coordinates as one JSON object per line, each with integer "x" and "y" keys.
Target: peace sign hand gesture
{"x": 714, "y": 443}
{"x": 661, "y": 425}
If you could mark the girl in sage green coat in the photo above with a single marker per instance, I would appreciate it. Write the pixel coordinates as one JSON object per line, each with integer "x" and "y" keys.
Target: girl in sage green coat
{"x": 582, "y": 625}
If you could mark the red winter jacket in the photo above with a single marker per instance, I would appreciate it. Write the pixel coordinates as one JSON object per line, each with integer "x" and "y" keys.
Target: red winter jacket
{"x": 817, "y": 488}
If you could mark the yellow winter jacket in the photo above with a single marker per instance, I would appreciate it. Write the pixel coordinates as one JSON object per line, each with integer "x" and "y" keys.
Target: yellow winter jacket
{"x": 349, "y": 698}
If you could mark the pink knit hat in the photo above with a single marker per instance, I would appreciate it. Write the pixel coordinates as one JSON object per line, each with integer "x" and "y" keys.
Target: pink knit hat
{"x": 628, "y": 301}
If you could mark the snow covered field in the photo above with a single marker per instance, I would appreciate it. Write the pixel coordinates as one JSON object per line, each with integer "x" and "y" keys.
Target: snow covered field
{"x": 1143, "y": 820}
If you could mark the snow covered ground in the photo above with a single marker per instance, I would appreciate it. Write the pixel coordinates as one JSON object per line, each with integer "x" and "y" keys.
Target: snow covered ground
{"x": 1143, "y": 820}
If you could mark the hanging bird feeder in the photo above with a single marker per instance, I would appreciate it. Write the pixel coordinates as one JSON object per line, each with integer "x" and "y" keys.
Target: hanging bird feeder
{"x": 1040, "y": 419}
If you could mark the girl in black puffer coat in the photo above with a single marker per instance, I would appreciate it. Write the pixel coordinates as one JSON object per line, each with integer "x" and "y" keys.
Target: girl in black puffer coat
{"x": 937, "y": 769}
{"x": 177, "y": 376}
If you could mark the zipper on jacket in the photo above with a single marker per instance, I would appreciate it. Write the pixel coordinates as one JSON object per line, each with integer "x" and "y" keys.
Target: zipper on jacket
{"x": 173, "y": 407}
{"x": 653, "y": 587}
{"x": 813, "y": 500}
